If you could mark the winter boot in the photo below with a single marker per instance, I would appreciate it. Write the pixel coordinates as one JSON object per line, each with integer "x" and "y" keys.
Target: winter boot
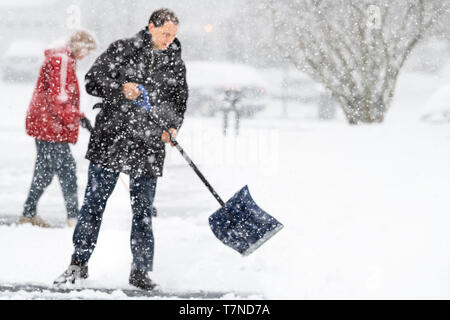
{"x": 141, "y": 280}
{"x": 73, "y": 275}
{"x": 35, "y": 221}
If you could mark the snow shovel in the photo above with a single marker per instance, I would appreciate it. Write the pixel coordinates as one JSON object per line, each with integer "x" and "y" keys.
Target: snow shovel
{"x": 239, "y": 223}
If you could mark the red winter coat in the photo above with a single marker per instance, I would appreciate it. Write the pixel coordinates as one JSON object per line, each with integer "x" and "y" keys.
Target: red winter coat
{"x": 54, "y": 112}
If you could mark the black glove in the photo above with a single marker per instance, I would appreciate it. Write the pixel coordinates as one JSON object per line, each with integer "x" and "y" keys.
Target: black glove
{"x": 85, "y": 123}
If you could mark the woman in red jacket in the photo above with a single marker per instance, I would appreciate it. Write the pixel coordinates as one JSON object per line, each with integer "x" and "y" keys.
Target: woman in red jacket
{"x": 53, "y": 119}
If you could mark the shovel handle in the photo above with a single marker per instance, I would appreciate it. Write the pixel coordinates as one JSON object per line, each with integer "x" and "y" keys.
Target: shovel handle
{"x": 197, "y": 171}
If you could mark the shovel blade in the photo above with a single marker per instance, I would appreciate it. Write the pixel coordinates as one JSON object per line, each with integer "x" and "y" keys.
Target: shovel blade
{"x": 242, "y": 225}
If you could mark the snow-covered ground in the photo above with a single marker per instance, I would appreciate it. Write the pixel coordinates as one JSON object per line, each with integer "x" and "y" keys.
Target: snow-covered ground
{"x": 365, "y": 209}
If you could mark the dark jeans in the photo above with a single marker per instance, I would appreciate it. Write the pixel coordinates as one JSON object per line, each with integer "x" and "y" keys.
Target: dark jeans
{"x": 53, "y": 158}
{"x": 101, "y": 183}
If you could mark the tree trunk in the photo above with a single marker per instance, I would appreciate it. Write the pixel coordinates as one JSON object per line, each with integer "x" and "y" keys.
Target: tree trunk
{"x": 362, "y": 110}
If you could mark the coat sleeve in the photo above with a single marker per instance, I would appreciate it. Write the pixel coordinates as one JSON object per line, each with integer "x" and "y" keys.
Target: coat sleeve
{"x": 61, "y": 102}
{"x": 106, "y": 76}
{"x": 179, "y": 96}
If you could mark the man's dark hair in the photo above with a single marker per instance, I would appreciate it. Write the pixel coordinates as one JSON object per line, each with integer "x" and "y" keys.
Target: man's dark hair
{"x": 161, "y": 16}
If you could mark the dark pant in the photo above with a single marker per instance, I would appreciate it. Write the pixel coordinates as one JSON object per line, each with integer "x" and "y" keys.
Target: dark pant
{"x": 101, "y": 183}
{"x": 53, "y": 157}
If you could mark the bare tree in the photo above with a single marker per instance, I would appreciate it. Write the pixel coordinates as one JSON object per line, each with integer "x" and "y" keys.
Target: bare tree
{"x": 355, "y": 48}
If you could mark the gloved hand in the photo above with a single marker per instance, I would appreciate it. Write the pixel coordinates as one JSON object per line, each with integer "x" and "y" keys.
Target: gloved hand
{"x": 85, "y": 123}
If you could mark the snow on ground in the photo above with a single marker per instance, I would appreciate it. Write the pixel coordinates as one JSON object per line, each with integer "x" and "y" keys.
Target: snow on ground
{"x": 365, "y": 208}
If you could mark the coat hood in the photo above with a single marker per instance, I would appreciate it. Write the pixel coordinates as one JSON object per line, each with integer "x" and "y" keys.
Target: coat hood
{"x": 58, "y": 51}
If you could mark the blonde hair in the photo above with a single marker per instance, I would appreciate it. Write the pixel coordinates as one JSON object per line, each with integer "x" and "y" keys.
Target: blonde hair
{"x": 82, "y": 39}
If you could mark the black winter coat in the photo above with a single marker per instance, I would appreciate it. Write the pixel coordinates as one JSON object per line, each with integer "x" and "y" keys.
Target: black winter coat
{"x": 125, "y": 138}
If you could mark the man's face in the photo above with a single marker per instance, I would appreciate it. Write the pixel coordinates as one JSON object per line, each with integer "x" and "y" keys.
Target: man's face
{"x": 163, "y": 36}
